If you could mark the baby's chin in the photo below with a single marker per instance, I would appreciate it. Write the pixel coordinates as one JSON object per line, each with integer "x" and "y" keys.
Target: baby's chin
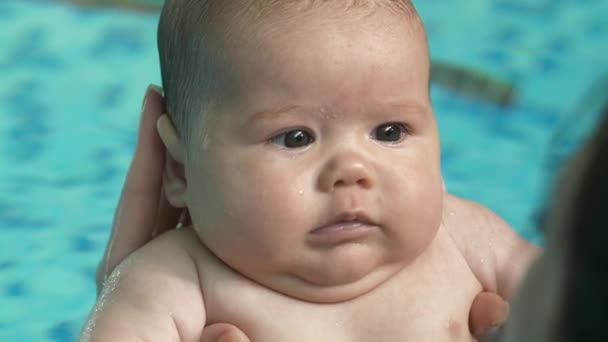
{"x": 303, "y": 289}
{"x": 334, "y": 282}
{"x": 344, "y": 274}
{"x": 323, "y": 274}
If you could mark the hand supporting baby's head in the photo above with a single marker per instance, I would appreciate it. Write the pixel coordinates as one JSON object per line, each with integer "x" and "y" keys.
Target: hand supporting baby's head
{"x": 302, "y": 139}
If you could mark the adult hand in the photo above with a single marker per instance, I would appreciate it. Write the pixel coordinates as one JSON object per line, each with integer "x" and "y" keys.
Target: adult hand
{"x": 488, "y": 313}
{"x": 143, "y": 211}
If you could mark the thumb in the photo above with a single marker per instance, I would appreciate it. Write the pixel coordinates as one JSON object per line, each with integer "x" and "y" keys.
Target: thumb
{"x": 488, "y": 311}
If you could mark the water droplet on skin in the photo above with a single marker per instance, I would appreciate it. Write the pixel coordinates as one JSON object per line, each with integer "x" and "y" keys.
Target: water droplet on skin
{"x": 327, "y": 114}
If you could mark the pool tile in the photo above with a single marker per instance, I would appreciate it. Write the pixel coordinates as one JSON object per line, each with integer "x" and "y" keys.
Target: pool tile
{"x": 111, "y": 95}
{"x": 15, "y": 289}
{"x": 509, "y": 35}
{"x": 118, "y": 40}
{"x": 83, "y": 244}
{"x": 547, "y": 64}
{"x": 496, "y": 56}
{"x": 559, "y": 45}
{"x": 63, "y": 331}
{"x": 7, "y": 264}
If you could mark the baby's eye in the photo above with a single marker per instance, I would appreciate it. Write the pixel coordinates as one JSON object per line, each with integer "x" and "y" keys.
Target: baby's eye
{"x": 391, "y": 132}
{"x": 296, "y": 138}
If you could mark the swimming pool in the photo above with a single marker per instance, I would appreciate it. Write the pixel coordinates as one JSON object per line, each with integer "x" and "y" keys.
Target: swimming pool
{"x": 71, "y": 84}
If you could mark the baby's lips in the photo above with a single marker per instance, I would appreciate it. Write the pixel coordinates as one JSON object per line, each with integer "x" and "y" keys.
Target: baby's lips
{"x": 359, "y": 216}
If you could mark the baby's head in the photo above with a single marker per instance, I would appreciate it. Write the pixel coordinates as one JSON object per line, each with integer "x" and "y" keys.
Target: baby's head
{"x": 304, "y": 142}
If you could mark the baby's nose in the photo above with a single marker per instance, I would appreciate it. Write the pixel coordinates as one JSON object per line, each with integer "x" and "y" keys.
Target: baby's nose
{"x": 345, "y": 171}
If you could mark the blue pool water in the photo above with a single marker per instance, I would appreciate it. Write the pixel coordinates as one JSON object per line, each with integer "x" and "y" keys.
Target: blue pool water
{"x": 71, "y": 82}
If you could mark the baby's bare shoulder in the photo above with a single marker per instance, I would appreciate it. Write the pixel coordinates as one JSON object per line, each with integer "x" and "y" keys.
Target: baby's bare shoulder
{"x": 470, "y": 221}
{"x": 169, "y": 249}
{"x": 495, "y": 252}
{"x": 153, "y": 294}
{"x": 161, "y": 261}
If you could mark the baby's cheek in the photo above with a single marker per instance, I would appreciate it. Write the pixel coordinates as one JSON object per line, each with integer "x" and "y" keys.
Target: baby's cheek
{"x": 416, "y": 215}
{"x": 270, "y": 201}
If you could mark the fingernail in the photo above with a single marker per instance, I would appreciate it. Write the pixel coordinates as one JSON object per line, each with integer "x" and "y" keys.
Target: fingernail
{"x": 151, "y": 88}
{"x": 156, "y": 88}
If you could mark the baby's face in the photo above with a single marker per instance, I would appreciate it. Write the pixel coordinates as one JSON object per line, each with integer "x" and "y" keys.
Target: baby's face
{"x": 321, "y": 178}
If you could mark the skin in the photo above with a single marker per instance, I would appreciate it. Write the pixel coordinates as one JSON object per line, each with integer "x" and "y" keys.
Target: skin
{"x": 349, "y": 173}
{"x": 316, "y": 91}
{"x": 143, "y": 182}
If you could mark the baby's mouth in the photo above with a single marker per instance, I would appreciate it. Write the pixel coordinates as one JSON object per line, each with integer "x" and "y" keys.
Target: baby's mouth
{"x": 338, "y": 227}
{"x": 346, "y": 227}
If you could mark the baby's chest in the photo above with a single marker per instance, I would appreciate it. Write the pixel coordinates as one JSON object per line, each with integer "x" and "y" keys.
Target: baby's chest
{"x": 396, "y": 311}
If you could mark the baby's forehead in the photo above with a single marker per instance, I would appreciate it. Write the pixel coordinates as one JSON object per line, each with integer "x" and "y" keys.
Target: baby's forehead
{"x": 204, "y": 45}
{"x": 251, "y": 16}
{"x": 281, "y": 31}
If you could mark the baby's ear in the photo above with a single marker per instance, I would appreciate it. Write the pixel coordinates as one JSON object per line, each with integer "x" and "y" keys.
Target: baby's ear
{"x": 174, "y": 177}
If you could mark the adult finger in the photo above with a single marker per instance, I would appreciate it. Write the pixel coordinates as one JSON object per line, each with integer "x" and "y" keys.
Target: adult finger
{"x": 488, "y": 312}
{"x": 141, "y": 198}
{"x": 223, "y": 332}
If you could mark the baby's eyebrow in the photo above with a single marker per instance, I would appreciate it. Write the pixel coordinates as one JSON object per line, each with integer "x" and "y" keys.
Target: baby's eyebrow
{"x": 407, "y": 107}
{"x": 267, "y": 114}
{"x": 402, "y": 107}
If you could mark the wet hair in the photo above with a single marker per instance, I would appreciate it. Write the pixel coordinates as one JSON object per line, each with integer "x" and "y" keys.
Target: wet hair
{"x": 192, "y": 39}
{"x": 582, "y": 213}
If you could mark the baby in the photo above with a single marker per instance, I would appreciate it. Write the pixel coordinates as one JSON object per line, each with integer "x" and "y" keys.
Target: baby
{"x": 303, "y": 142}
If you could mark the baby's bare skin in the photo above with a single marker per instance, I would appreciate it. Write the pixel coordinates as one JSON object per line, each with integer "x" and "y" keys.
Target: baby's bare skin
{"x": 429, "y": 300}
{"x": 417, "y": 305}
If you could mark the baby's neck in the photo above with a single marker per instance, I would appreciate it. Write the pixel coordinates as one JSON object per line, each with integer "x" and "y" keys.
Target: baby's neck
{"x": 326, "y": 285}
